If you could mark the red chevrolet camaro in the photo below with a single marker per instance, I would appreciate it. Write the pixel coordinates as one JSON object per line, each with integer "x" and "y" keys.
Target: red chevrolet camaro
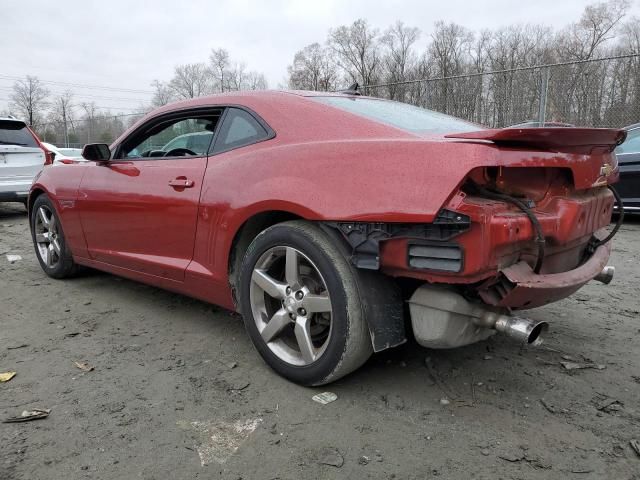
{"x": 319, "y": 216}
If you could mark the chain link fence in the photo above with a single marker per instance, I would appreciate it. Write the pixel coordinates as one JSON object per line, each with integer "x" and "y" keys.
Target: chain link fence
{"x": 592, "y": 93}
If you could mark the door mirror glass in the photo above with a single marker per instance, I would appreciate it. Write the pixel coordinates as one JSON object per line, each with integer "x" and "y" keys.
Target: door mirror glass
{"x": 98, "y": 152}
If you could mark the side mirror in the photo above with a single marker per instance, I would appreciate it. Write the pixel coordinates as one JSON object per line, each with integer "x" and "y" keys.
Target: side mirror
{"x": 98, "y": 152}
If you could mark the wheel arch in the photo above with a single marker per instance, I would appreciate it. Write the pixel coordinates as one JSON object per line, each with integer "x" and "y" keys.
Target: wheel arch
{"x": 33, "y": 195}
{"x": 380, "y": 295}
{"x": 245, "y": 234}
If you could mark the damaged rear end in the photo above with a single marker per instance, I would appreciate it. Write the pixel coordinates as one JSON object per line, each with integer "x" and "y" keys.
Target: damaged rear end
{"x": 525, "y": 227}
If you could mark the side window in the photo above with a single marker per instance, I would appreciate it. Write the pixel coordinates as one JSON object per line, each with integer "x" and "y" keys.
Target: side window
{"x": 631, "y": 144}
{"x": 239, "y": 129}
{"x": 185, "y": 136}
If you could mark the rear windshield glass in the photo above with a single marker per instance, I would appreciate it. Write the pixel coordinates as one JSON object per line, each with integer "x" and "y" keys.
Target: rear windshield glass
{"x": 15, "y": 133}
{"x": 400, "y": 115}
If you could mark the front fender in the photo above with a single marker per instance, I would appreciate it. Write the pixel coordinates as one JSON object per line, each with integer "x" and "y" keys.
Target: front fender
{"x": 61, "y": 182}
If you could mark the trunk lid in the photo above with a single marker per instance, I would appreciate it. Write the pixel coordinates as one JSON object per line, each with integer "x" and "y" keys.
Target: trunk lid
{"x": 588, "y": 152}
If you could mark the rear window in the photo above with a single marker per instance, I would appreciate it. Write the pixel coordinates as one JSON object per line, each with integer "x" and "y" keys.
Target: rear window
{"x": 16, "y": 133}
{"x": 400, "y": 115}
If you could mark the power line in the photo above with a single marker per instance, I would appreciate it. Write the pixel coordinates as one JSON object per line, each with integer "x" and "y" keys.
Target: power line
{"x": 97, "y": 118}
{"x": 87, "y": 95}
{"x": 81, "y": 85}
{"x": 101, "y": 107}
{"x": 507, "y": 70}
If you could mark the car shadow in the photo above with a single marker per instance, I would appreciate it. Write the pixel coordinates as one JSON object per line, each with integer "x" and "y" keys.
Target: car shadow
{"x": 9, "y": 211}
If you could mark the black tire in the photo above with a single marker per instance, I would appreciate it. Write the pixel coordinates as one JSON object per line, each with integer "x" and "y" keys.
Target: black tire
{"x": 349, "y": 342}
{"x": 65, "y": 267}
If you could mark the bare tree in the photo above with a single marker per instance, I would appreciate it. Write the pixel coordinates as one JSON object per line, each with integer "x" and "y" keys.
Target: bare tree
{"x": 313, "y": 69}
{"x": 29, "y": 98}
{"x": 256, "y": 81}
{"x": 597, "y": 25}
{"x": 63, "y": 111}
{"x": 220, "y": 61}
{"x": 162, "y": 95}
{"x": 399, "y": 58}
{"x": 90, "y": 110}
{"x": 237, "y": 76}
{"x": 449, "y": 53}
{"x": 356, "y": 47}
{"x": 190, "y": 81}
{"x": 577, "y": 91}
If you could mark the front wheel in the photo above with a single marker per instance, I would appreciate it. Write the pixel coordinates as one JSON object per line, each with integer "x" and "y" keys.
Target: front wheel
{"x": 301, "y": 306}
{"x": 48, "y": 239}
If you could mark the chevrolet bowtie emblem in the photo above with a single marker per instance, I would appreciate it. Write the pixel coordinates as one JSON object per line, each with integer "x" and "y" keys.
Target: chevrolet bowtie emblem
{"x": 606, "y": 170}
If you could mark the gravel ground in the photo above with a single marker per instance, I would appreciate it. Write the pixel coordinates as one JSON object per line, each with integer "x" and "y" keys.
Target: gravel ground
{"x": 177, "y": 390}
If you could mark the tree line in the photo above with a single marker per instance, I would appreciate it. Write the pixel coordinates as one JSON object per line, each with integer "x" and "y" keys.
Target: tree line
{"x": 481, "y": 76}
{"x": 458, "y": 63}
{"x": 221, "y": 74}
{"x": 62, "y": 120}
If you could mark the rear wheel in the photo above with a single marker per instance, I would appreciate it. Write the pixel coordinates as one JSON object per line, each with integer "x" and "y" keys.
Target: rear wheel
{"x": 49, "y": 241}
{"x": 301, "y": 306}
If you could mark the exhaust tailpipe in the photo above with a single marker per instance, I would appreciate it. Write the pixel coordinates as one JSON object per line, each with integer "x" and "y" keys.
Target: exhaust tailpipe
{"x": 522, "y": 329}
{"x": 528, "y": 332}
{"x": 606, "y": 275}
{"x": 442, "y": 318}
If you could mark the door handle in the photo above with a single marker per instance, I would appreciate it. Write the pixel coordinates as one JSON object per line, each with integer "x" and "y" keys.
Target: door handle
{"x": 181, "y": 182}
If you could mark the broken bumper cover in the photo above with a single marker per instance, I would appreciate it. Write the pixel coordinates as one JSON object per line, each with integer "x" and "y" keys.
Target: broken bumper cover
{"x": 518, "y": 287}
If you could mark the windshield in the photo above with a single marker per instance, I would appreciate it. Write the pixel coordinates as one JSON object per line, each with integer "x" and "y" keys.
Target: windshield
{"x": 400, "y": 115}
{"x": 16, "y": 133}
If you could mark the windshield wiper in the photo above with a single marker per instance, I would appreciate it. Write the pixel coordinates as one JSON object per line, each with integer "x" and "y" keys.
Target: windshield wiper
{"x": 13, "y": 143}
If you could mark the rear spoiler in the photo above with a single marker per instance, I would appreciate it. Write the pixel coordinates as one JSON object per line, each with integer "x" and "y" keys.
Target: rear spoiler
{"x": 566, "y": 140}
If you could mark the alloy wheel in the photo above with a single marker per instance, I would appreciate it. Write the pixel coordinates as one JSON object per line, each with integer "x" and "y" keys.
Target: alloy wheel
{"x": 291, "y": 305}
{"x": 47, "y": 236}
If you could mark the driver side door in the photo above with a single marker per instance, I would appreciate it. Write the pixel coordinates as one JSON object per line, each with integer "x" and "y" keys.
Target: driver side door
{"x": 139, "y": 210}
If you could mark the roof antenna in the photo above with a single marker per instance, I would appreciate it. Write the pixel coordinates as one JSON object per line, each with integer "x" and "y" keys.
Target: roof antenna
{"x": 352, "y": 90}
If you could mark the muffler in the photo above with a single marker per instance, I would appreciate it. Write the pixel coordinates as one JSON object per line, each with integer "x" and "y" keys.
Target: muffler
{"x": 442, "y": 318}
{"x": 606, "y": 275}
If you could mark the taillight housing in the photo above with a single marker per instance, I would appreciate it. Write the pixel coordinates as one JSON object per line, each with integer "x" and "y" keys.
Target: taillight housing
{"x": 48, "y": 156}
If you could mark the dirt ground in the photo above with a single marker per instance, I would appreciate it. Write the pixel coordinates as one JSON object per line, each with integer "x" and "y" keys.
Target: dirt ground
{"x": 179, "y": 392}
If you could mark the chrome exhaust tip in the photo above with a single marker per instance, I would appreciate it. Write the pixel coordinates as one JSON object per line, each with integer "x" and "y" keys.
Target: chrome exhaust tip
{"x": 526, "y": 331}
{"x": 606, "y": 275}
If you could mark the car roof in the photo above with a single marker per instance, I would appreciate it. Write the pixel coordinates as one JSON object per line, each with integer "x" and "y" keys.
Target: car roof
{"x": 248, "y": 96}
{"x": 632, "y": 127}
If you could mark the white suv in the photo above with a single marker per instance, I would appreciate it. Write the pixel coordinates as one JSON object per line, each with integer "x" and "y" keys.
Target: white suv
{"x": 21, "y": 158}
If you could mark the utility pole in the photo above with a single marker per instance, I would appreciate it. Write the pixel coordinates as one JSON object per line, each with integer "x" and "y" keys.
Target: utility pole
{"x": 64, "y": 122}
{"x": 544, "y": 85}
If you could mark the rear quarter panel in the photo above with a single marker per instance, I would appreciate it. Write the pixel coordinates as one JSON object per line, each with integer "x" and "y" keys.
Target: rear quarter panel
{"x": 382, "y": 180}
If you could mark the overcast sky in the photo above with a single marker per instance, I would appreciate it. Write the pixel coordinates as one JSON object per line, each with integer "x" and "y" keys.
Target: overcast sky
{"x": 129, "y": 43}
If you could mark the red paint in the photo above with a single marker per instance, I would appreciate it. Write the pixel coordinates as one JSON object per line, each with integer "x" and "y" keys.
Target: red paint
{"x": 323, "y": 164}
